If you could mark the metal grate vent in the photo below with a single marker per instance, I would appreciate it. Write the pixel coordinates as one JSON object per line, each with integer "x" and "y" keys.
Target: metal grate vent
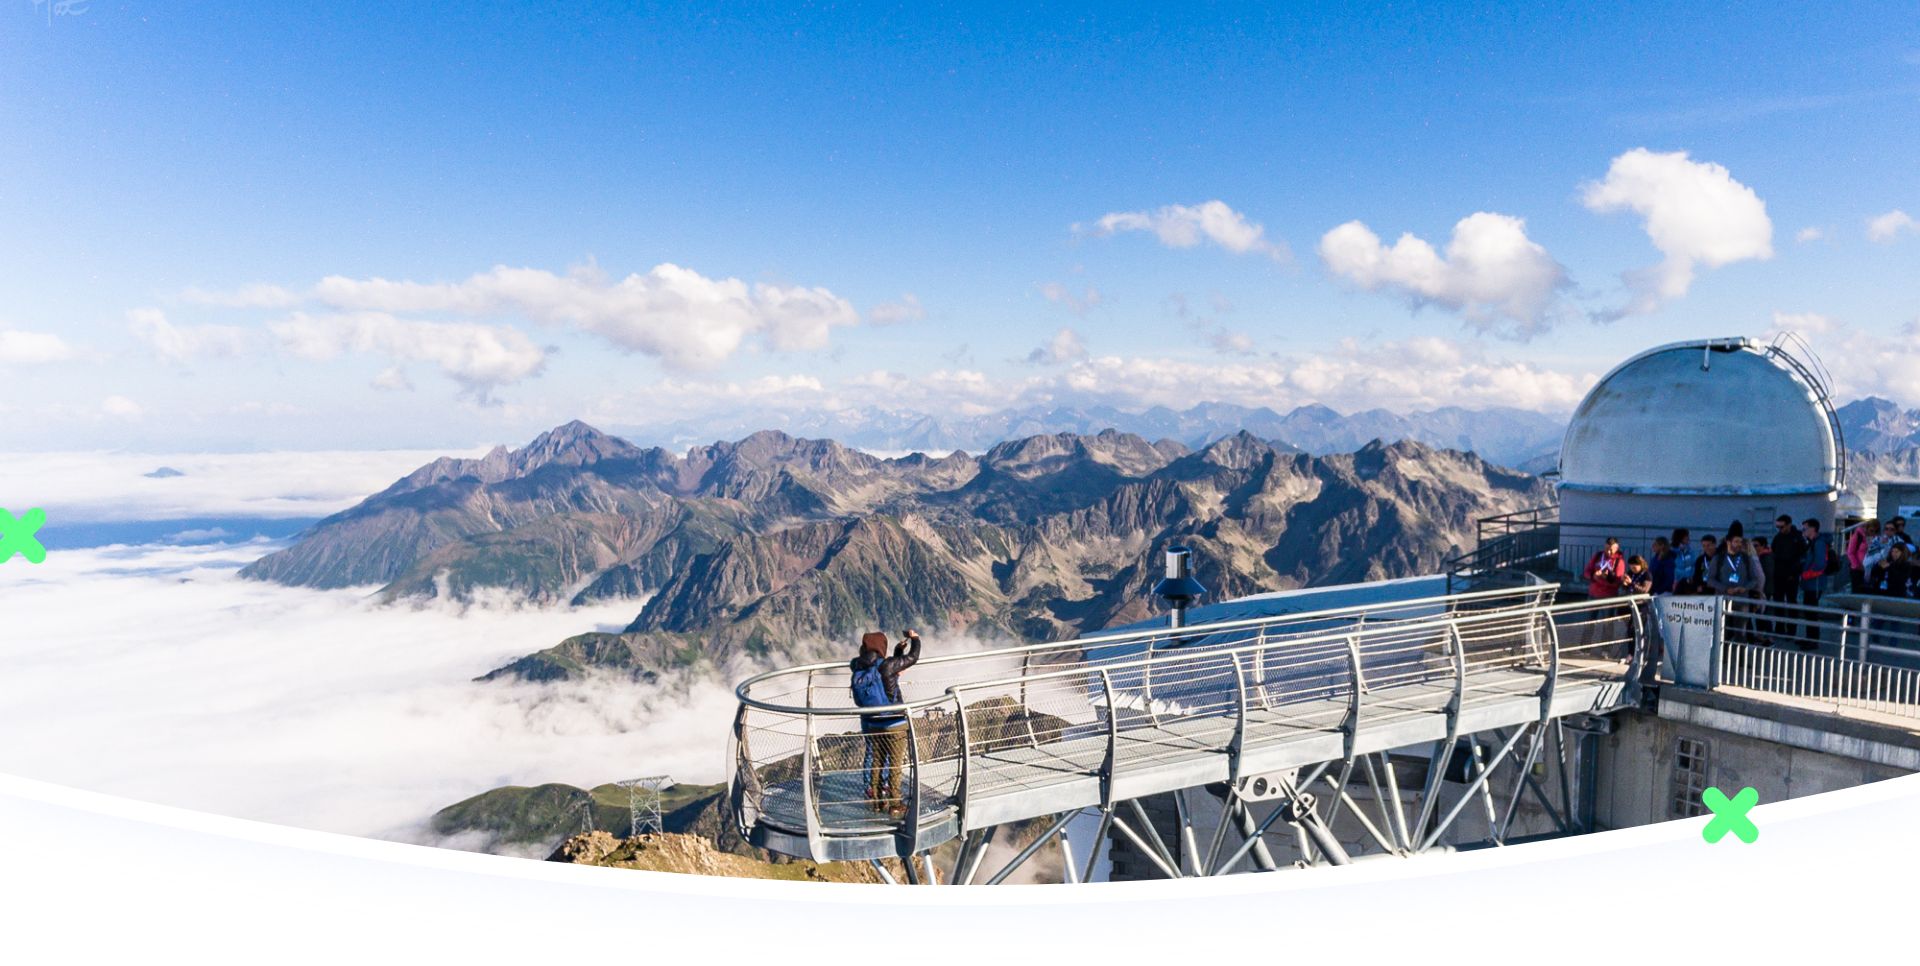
{"x": 1690, "y": 756}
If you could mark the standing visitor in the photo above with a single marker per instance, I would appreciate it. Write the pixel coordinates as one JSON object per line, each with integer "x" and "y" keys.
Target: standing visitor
{"x": 1821, "y": 562}
{"x": 1889, "y": 573}
{"x": 1638, "y": 578}
{"x": 1683, "y": 560}
{"x": 1896, "y": 532}
{"x": 1606, "y": 572}
{"x": 1702, "y": 565}
{"x": 1661, "y": 567}
{"x": 876, "y": 683}
{"x": 1737, "y": 572}
{"x": 1789, "y": 559}
{"x": 1859, "y": 544}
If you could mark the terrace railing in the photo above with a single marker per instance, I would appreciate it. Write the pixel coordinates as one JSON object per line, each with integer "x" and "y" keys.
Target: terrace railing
{"x": 1008, "y": 722}
{"x": 1839, "y": 657}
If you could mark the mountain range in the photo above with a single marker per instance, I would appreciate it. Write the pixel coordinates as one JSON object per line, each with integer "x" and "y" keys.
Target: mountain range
{"x": 1510, "y": 437}
{"x": 771, "y": 545}
{"x": 1876, "y": 426}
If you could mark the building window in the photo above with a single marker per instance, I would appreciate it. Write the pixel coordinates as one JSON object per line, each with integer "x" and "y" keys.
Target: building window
{"x": 1689, "y": 777}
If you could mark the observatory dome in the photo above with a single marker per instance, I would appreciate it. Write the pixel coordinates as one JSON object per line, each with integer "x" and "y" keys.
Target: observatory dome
{"x": 1714, "y": 417}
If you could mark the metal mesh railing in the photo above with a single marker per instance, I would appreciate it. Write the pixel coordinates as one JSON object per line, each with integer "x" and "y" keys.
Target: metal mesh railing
{"x": 1847, "y": 658}
{"x": 1823, "y": 678}
{"x": 1022, "y": 719}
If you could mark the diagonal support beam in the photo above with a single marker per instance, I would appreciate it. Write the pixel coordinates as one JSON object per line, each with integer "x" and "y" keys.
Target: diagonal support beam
{"x": 1120, "y": 824}
{"x": 1059, "y": 825}
{"x": 1467, "y": 795}
{"x": 1366, "y": 823}
{"x": 1153, "y": 837}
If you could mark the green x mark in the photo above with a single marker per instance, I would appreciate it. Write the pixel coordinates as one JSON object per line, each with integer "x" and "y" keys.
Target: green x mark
{"x": 16, "y": 535}
{"x": 1730, "y": 815}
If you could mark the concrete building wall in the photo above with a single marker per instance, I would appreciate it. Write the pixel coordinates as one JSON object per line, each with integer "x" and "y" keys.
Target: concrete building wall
{"x": 1588, "y": 513}
{"x": 1637, "y": 775}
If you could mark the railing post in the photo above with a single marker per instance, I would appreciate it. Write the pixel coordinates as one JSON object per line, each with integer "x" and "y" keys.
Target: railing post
{"x": 1259, "y": 668}
{"x": 1113, "y": 743}
{"x": 1553, "y": 668}
{"x": 1444, "y": 752}
{"x": 1357, "y": 684}
{"x": 809, "y": 802}
{"x": 1637, "y": 656}
{"x": 1237, "y": 745}
{"x": 1866, "y": 629}
{"x": 966, "y": 753}
{"x": 1026, "y": 709}
{"x": 912, "y": 791}
{"x": 1146, "y": 683}
{"x": 743, "y": 789}
{"x": 1458, "y": 646}
{"x": 1717, "y": 658}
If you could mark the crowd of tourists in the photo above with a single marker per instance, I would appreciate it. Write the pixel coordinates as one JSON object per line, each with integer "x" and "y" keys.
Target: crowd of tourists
{"x": 1793, "y": 566}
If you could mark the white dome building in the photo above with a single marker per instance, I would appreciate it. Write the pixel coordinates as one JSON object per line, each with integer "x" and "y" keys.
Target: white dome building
{"x": 1698, "y": 435}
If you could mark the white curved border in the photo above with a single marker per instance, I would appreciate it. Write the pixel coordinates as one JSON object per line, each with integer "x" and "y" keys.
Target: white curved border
{"x": 88, "y": 877}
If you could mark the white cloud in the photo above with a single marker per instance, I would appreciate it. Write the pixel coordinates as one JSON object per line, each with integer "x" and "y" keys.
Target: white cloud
{"x": 480, "y": 358}
{"x": 21, "y": 348}
{"x": 1860, "y": 362}
{"x": 1065, "y": 346}
{"x": 906, "y": 308}
{"x": 1492, "y": 273}
{"x": 142, "y": 672}
{"x": 1885, "y": 228}
{"x": 120, "y": 407}
{"x": 1185, "y": 226}
{"x": 1079, "y": 303}
{"x": 392, "y": 379}
{"x": 180, "y": 344}
{"x": 667, "y": 400}
{"x": 1800, "y": 323}
{"x": 1694, "y": 212}
{"x": 1809, "y": 234}
{"x": 1420, "y": 373}
{"x": 672, "y": 313}
{"x": 1229, "y": 342}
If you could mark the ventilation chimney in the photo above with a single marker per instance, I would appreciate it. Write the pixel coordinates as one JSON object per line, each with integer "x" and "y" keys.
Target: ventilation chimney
{"x": 1178, "y": 587}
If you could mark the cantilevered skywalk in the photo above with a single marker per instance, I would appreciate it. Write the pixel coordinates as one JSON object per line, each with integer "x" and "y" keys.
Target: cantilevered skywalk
{"x": 1275, "y": 703}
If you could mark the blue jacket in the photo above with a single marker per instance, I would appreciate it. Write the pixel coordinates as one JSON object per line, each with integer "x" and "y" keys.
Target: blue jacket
{"x": 890, "y": 669}
{"x": 1662, "y": 569}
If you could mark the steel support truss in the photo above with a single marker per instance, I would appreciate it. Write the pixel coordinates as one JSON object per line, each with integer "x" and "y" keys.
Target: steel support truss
{"x": 1503, "y": 767}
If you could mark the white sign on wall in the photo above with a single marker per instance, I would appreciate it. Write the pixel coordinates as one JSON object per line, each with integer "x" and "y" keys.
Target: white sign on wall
{"x": 1690, "y": 630}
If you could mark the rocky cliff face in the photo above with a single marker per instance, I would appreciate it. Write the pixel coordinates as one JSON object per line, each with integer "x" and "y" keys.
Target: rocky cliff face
{"x": 771, "y": 545}
{"x": 692, "y": 855}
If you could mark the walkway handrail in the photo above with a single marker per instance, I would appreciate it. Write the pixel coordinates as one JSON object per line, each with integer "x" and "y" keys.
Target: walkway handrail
{"x": 744, "y": 689}
{"x": 1210, "y": 696}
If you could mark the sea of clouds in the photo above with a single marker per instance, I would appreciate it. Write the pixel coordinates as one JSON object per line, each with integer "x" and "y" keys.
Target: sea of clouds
{"x": 154, "y": 672}
{"x": 95, "y": 486}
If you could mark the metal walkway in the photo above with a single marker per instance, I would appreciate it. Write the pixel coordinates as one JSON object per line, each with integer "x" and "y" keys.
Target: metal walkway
{"x": 1045, "y": 731}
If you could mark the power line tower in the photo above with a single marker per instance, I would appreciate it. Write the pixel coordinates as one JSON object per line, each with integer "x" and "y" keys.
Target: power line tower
{"x": 643, "y": 803}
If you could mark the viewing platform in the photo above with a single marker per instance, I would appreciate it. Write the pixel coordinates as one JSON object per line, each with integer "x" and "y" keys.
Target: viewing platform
{"x": 1013, "y": 734}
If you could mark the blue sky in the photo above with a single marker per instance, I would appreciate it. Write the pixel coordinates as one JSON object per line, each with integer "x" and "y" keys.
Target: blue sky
{"x": 911, "y": 199}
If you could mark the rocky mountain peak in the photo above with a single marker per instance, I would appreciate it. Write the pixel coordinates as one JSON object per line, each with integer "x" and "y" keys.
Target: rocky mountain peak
{"x": 572, "y": 444}
{"x": 1124, "y": 453}
{"x": 1240, "y": 451}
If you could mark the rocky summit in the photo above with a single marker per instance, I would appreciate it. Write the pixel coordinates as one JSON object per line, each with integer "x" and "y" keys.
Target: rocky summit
{"x": 771, "y": 545}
